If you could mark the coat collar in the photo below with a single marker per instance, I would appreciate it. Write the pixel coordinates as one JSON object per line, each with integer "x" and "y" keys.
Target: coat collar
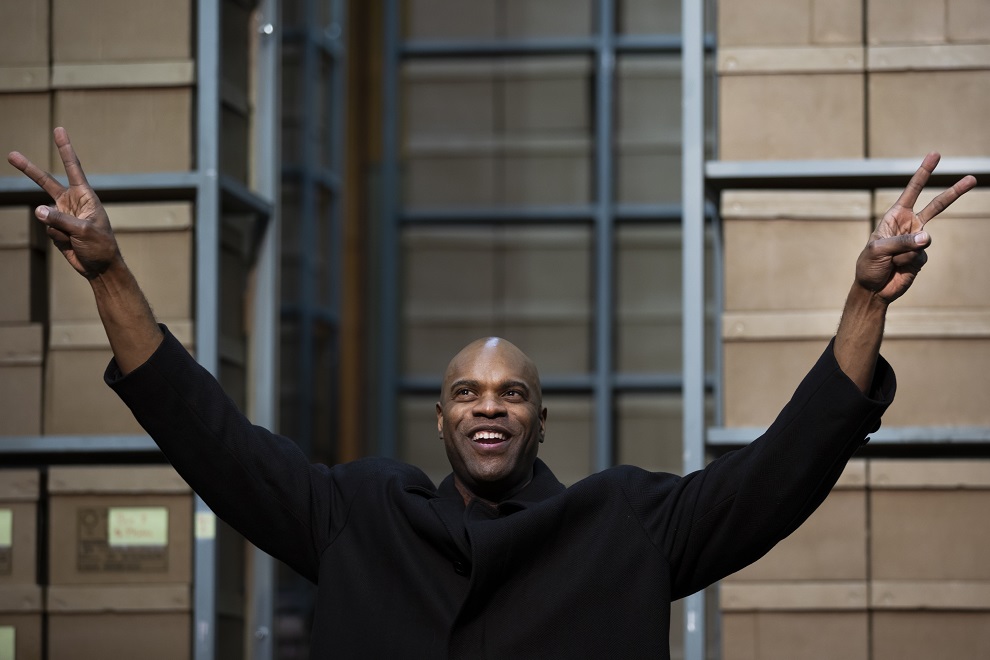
{"x": 544, "y": 485}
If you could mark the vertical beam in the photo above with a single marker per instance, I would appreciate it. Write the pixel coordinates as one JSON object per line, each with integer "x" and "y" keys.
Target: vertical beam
{"x": 308, "y": 227}
{"x": 389, "y": 254}
{"x": 335, "y": 250}
{"x": 263, "y": 377}
{"x": 604, "y": 235}
{"x": 693, "y": 253}
{"x": 207, "y": 297}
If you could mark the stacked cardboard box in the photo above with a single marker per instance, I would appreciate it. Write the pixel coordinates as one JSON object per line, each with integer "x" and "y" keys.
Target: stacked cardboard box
{"x": 156, "y": 241}
{"x": 807, "y": 598}
{"x": 930, "y": 583}
{"x": 22, "y": 312}
{"x": 938, "y": 335}
{"x": 512, "y": 132}
{"x": 119, "y": 563}
{"x": 235, "y": 247}
{"x": 890, "y": 566}
{"x": 791, "y": 80}
{"x": 941, "y": 47}
{"x": 782, "y": 298}
{"x": 648, "y": 298}
{"x": 238, "y": 43}
{"x": 20, "y": 594}
{"x": 22, "y": 267}
{"x": 123, "y": 73}
{"x": 531, "y": 285}
{"x": 648, "y": 109}
{"x": 489, "y": 19}
{"x": 25, "y": 97}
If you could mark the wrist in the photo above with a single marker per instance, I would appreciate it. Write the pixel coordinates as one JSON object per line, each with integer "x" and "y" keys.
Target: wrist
{"x": 866, "y": 299}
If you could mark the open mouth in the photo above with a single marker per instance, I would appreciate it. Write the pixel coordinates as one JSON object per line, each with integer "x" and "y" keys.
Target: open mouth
{"x": 489, "y": 437}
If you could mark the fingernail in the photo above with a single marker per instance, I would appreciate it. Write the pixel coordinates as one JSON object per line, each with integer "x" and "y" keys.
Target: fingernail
{"x": 42, "y": 212}
{"x": 921, "y": 238}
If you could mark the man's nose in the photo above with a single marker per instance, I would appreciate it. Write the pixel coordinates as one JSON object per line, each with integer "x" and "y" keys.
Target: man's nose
{"x": 490, "y": 405}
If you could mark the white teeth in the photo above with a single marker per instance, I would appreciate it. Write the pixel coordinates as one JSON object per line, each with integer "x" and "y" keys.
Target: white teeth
{"x": 489, "y": 435}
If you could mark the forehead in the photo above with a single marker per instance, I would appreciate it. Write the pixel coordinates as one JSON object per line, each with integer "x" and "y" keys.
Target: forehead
{"x": 491, "y": 359}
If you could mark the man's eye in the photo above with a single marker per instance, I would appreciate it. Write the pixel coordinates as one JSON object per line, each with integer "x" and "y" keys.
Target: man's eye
{"x": 463, "y": 391}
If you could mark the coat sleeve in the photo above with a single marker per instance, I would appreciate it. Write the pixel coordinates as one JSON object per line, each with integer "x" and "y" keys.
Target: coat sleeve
{"x": 718, "y": 520}
{"x": 258, "y": 482}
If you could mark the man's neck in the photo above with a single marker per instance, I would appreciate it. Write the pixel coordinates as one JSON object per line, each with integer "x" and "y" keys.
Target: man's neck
{"x": 491, "y": 500}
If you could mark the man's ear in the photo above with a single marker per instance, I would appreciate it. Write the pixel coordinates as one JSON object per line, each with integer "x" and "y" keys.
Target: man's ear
{"x": 440, "y": 419}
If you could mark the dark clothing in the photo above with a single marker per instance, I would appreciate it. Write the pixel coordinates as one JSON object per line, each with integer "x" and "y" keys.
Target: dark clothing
{"x": 405, "y": 570}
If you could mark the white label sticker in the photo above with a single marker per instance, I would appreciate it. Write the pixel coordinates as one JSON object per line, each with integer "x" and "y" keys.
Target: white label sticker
{"x": 206, "y": 525}
{"x": 6, "y": 528}
{"x": 6, "y": 643}
{"x": 137, "y": 526}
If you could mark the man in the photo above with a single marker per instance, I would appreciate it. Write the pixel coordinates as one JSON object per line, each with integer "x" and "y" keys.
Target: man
{"x": 500, "y": 561}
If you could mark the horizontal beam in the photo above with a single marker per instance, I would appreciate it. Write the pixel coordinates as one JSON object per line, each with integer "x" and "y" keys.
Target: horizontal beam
{"x": 576, "y": 384}
{"x": 905, "y": 435}
{"x": 236, "y": 196}
{"x": 323, "y": 177}
{"x": 857, "y": 174}
{"x": 623, "y": 213}
{"x": 642, "y": 44}
{"x": 110, "y": 187}
{"x": 96, "y": 444}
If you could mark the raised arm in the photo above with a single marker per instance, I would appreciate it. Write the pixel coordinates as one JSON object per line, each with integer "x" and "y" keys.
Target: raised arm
{"x": 79, "y": 227}
{"x": 885, "y": 270}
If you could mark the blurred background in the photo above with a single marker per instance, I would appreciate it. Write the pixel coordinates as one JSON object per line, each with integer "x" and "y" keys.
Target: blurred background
{"x": 324, "y": 200}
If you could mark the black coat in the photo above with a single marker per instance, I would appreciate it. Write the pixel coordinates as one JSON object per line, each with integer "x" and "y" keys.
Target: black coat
{"x": 405, "y": 570}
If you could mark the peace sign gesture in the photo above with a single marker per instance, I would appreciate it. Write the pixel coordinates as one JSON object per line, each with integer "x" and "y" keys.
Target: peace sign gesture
{"x": 896, "y": 249}
{"x": 77, "y": 224}
{"x": 79, "y": 228}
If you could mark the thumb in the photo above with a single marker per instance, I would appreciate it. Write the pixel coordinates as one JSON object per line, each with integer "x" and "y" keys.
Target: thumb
{"x": 894, "y": 245}
{"x": 63, "y": 222}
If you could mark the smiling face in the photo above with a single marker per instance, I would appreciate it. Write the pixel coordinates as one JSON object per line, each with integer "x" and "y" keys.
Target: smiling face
{"x": 491, "y": 419}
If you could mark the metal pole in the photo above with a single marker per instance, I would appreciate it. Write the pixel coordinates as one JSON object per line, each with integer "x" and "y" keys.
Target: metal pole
{"x": 207, "y": 299}
{"x": 337, "y": 32}
{"x": 604, "y": 238}
{"x": 264, "y": 338}
{"x": 389, "y": 254}
{"x": 308, "y": 229}
{"x": 693, "y": 252}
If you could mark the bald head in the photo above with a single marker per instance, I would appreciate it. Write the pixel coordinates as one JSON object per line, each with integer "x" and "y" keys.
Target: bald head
{"x": 491, "y": 419}
{"x": 494, "y": 352}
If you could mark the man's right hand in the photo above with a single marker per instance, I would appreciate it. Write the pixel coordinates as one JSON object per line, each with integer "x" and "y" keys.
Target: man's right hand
{"x": 77, "y": 224}
{"x": 79, "y": 228}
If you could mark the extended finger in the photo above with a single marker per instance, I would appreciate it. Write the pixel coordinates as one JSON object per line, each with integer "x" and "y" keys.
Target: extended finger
{"x": 918, "y": 181}
{"x": 45, "y": 180}
{"x": 911, "y": 260}
{"x": 950, "y": 195}
{"x": 73, "y": 168}
{"x": 60, "y": 239}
